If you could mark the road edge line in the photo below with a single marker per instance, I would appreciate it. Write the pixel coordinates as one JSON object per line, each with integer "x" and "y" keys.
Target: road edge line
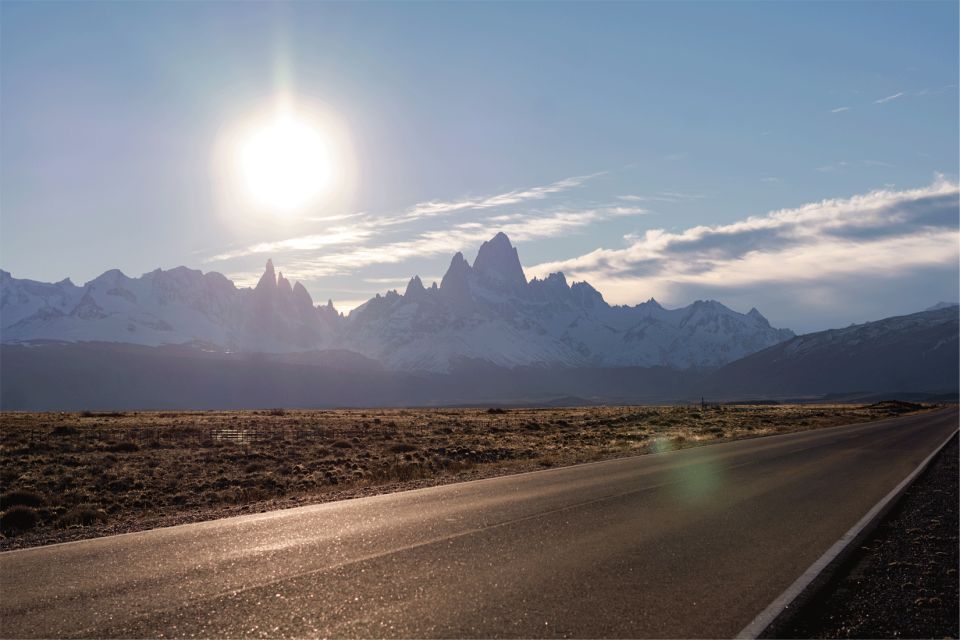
{"x": 829, "y": 560}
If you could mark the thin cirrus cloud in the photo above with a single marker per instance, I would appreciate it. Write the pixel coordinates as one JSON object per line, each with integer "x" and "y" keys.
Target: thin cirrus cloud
{"x": 839, "y": 109}
{"x": 523, "y": 227}
{"x": 336, "y": 236}
{"x": 881, "y": 234}
{"x": 662, "y": 196}
{"x": 895, "y": 96}
{"x": 367, "y": 226}
{"x": 833, "y": 167}
{"x": 436, "y": 208}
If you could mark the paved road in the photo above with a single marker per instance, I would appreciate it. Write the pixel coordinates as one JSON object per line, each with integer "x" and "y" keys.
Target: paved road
{"x": 685, "y": 543}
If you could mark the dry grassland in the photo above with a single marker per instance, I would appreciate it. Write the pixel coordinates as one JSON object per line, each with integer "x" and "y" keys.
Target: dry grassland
{"x": 71, "y": 476}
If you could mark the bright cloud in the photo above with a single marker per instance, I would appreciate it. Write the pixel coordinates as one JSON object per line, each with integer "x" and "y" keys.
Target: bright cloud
{"x": 364, "y": 227}
{"x": 880, "y": 234}
{"x": 336, "y": 236}
{"x": 459, "y": 237}
{"x": 436, "y": 208}
{"x": 899, "y": 94}
{"x": 662, "y": 196}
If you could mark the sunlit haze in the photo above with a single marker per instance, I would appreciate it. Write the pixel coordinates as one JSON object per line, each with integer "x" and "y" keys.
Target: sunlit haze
{"x": 582, "y": 318}
{"x": 677, "y": 151}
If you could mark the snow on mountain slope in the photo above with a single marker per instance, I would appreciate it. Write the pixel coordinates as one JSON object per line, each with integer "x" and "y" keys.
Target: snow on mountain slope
{"x": 912, "y": 353}
{"x": 178, "y": 306}
{"x": 942, "y": 305}
{"x": 490, "y": 312}
{"x": 487, "y": 312}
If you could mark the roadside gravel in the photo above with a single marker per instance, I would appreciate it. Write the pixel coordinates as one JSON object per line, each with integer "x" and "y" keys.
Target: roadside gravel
{"x": 902, "y": 582}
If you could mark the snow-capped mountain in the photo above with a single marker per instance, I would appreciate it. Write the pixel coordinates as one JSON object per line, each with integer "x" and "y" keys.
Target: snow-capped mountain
{"x": 490, "y": 312}
{"x": 485, "y": 312}
{"x": 179, "y": 306}
{"x": 912, "y": 353}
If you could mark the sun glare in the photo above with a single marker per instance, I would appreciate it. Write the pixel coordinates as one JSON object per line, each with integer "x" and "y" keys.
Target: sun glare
{"x": 286, "y": 164}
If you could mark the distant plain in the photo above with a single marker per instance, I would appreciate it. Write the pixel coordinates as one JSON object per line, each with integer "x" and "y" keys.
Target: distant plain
{"x": 69, "y": 476}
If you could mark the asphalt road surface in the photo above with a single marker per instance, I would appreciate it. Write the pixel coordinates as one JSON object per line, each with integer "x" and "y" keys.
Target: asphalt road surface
{"x": 687, "y": 543}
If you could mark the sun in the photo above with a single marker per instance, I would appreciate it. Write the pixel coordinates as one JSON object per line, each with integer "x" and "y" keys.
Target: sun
{"x": 285, "y": 162}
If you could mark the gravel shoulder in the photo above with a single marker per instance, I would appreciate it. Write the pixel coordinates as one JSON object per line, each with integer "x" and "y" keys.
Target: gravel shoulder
{"x": 902, "y": 581}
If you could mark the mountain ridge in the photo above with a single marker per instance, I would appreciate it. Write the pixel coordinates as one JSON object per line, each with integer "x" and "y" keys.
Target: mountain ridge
{"x": 910, "y": 353}
{"x": 486, "y": 311}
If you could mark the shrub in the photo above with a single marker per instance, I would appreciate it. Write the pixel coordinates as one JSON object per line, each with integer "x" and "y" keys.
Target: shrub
{"x": 402, "y": 447}
{"x": 102, "y": 414}
{"x": 64, "y": 430}
{"x": 18, "y": 518}
{"x": 82, "y": 515}
{"x": 21, "y": 497}
{"x": 277, "y": 412}
{"x": 126, "y": 447}
{"x": 342, "y": 444}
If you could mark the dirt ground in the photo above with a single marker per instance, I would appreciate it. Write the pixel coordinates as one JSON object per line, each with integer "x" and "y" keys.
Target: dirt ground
{"x": 68, "y": 476}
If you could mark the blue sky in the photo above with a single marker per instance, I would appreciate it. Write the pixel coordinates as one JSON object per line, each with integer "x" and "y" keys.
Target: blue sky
{"x": 623, "y": 129}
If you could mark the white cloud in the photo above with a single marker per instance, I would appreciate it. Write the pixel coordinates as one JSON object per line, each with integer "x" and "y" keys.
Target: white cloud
{"x": 662, "y": 196}
{"x": 839, "y": 109}
{"x": 364, "y": 227}
{"x": 336, "y": 236}
{"x": 899, "y": 94}
{"x": 833, "y": 167}
{"x": 460, "y": 237}
{"x": 516, "y": 196}
{"x": 879, "y": 234}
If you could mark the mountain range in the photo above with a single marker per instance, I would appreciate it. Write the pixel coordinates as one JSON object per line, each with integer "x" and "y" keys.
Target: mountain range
{"x": 485, "y": 335}
{"x": 915, "y": 353}
{"x": 908, "y": 357}
{"x": 487, "y": 312}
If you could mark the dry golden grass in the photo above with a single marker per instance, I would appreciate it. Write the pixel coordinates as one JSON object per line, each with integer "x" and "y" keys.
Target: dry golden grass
{"x": 91, "y": 474}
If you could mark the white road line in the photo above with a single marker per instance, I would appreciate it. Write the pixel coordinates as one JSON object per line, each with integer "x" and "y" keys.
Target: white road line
{"x": 775, "y": 608}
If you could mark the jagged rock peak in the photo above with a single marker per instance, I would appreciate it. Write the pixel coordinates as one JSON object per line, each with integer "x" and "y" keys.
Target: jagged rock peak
{"x": 456, "y": 272}
{"x": 586, "y": 295}
{"x": 269, "y": 279}
{"x": 753, "y": 313}
{"x": 414, "y": 288}
{"x": 283, "y": 284}
{"x": 302, "y": 296}
{"x": 109, "y": 277}
{"x": 498, "y": 260}
{"x": 556, "y": 279}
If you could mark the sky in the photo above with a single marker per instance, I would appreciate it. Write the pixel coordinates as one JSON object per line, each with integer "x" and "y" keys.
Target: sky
{"x": 801, "y": 158}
